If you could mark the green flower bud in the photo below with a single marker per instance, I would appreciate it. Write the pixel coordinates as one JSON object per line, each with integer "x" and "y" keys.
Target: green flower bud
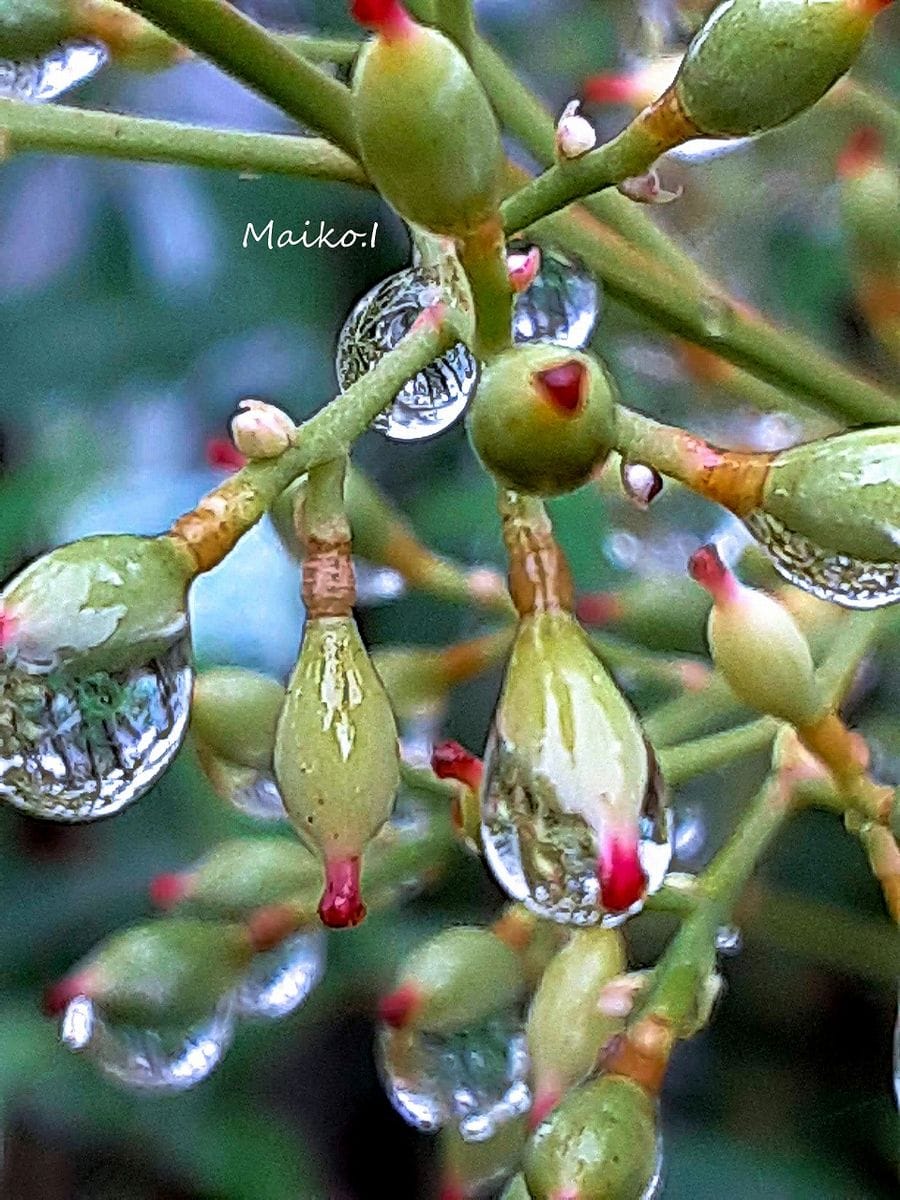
{"x": 454, "y": 980}
{"x": 566, "y": 1028}
{"x": 829, "y": 515}
{"x": 336, "y": 757}
{"x": 161, "y": 973}
{"x": 32, "y": 27}
{"x": 104, "y": 603}
{"x": 470, "y": 1168}
{"x": 599, "y": 1144}
{"x": 517, "y": 1189}
{"x": 543, "y": 418}
{"x": 757, "y": 645}
{"x": 757, "y": 63}
{"x": 428, "y": 136}
{"x": 235, "y": 714}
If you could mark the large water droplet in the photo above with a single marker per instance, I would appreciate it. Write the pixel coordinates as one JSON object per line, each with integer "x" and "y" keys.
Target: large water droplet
{"x": 280, "y": 980}
{"x": 562, "y": 305}
{"x": 165, "y": 1060}
{"x": 79, "y": 748}
{"x": 476, "y": 1077}
{"x": 41, "y": 79}
{"x": 254, "y": 793}
{"x": 546, "y": 855}
{"x": 850, "y": 582}
{"x": 434, "y": 398}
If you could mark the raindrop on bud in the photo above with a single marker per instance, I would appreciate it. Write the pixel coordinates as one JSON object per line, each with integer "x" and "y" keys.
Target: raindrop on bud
{"x": 280, "y": 980}
{"x": 562, "y": 304}
{"x": 729, "y": 940}
{"x": 41, "y": 79}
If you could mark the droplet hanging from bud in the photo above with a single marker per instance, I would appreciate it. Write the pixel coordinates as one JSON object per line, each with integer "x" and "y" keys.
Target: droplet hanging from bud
{"x": 41, "y": 79}
{"x": 562, "y": 306}
{"x": 281, "y": 980}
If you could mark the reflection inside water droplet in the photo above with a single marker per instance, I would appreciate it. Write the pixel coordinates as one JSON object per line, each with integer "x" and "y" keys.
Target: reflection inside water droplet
{"x": 42, "y": 79}
{"x": 280, "y": 980}
{"x": 729, "y": 940}
{"x": 254, "y": 793}
{"x": 79, "y": 748}
{"x": 169, "y": 1060}
{"x": 562, "y": 305}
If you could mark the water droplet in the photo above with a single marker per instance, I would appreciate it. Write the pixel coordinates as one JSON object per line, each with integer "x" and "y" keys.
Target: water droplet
{"x": 76, "y": 749}
{"x": 377, "y": 585}
{"x": 850, "y": 582}
{"x": 546, "y": 855}
{"x": 42, "y": 79}
{"x": 280, "y": 980}
{"x": 641, "y": 484}
{"x": 254, "y": 793}
{"x": 418, "y": 736}
{"x": 165, "y": 1060}
{"x": 729, "y": 940}
{"x": 435, "y": 398}
{"x": 690, "y": 835}
{"x": 476, "y": 1077}
{"x": 561, "y": 306}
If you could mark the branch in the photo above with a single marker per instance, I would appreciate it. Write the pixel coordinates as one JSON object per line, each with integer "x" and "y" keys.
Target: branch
{"x": 57, "y": 129}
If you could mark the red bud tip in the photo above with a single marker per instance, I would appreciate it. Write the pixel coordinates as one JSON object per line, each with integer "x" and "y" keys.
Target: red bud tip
{"x": 429, "y": 318}
{"x": 399, "y": 1007}
{"x": 862, "y": 151}
{"x": 59, "y": 996}
{"x": 564, "y": 386}
{"x": 450, "y": 760}
{"x": 707, "y": 569}
{"x": 566, "y": 1194}
{"x": 452, "y": 1189}
{"x": 610, "y": 89}
{"x": 341, "y": 906}
{"x": 523, "y": 269}
{"x": 387, "y": 17}
{"x": 268, "y": 927}
{"x": 599, "y": 609}
{"x": 223, "y": 455}
{"x": 622, "y": 879}
{"x": 545, "y": 1100}
{"x": 8, "y": 627}
{"x": 168, "y": 890}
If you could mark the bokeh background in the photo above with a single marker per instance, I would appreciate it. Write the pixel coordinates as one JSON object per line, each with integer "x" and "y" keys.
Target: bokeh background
{"x": 131, "y": 322}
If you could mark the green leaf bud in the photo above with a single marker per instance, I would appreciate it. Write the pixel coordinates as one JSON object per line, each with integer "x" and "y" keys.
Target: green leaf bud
{"x": 164, "y": 972}
{"x": 336, "y": 757}
{"x": 543, "y": 418}
{"x": 599, "y": 1144}
{"x": 104, "y": 603}
{"x": 235, "y": 714}
{"x": 757, "y": 645}
{"x": 428, "y": 135}
{"x": 757, "y": 63}
{"x": 566, "y": 1028}
{"x": 454, "y": 980}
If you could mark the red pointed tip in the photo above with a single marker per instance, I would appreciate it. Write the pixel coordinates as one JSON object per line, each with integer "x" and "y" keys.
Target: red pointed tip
{"x": 341, "y": 906}
{"x": 601, "y": 608}
{"x": 398, "y": 1008}
{"x": 863, "y": 150}
{"x": 545, "y": 1100}
{"x": 450, "y": 760}
{"x": 59, "y": 996}
{"x": 610, "y": 89}
{"x": 223, "y": 455}
{"x": 170, "y": 889}
{"x": 452, "y": 1189}
{"x": 564, "y": 386}
{"x": 705, "y": 567}
{"x": 386, "y": 17}
{"x": 523, "y": 269}
{"x": 622, "y": 879}
{"x": 8, "y": 628}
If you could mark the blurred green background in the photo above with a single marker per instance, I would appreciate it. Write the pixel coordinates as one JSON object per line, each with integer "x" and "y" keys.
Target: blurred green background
{"x": 131, "y": 322}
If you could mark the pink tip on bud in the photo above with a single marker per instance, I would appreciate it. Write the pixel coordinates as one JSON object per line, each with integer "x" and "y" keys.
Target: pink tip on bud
{"x": 268, "y": 927}
{"x": 452, "y": 1189}
{"x": 450, "y": 760}
{"x": 341, "y": 906}
{"x": 862, "y": 151}
{"x": 599, "y": 609}
{"x": 569, "y": 1193}
{"x": 523, "y": 268}
{"x": 8, "y": 627}
{"x": 399, "y": 1007}
{"x": 386, "y": 17}
{"x": 705, "y": 567}
{"x": 222, "y": 454}
{"x": 610, "y": 89}
{"x": 622, "y": 879}
{"x": 564, "y": 386}
{"x": 170, "y": 889}
{"x": 59, "y": 996}
{"x": 429, "y": 318}
{"x": 545, "y": 1100}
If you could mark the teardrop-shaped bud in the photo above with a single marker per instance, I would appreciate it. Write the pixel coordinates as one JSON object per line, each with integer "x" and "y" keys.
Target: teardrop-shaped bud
{"x": 829, "y": 516}
{"x": 599, "y": 1144}
{"x": 757, "y": 645}
{"x": 756, "y": 63}
{"x": 168, "y": 971}
{"x": 428, "y": 135}
{"x": 336, "y": 758}
{"x": 572, "y": 819}
{"x": 566, "y": 1027}
{"x": 543, "y": 418}
{"x": 454, "y": 980}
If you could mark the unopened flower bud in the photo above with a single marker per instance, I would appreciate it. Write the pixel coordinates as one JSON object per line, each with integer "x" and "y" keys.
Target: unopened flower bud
{"x": 474, "y": 1168}
{"x": 455, "y": 979}
{"x": 32, "y": 27}
{"x": 261, "y": 430}
{"x": 428, "y": 135}
{"x": 165, "y": 971}
{"x": 566, "y": 1029}
{"x": 336, "y": 758}
{"x": 235, "y": 713}
{"x": 601, "y": 1142}
{"x": 647, "y": 189}
{"x": 543, "y": 418}
{"x": 575, "y": 135}
{"x": 757, "y": 645}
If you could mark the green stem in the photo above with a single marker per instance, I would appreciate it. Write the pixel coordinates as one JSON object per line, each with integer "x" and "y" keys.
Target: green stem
{"x": 248, "y": 52}
{"x": 323, "y": 511}
{"x": 57, "y": 129}
{"x": 340, "y": 51}
{"x": 689, "y": 759}
{"x": 689, "y": 715}
{"x": 457, "y": 19}
{"x": 483, "y": 258}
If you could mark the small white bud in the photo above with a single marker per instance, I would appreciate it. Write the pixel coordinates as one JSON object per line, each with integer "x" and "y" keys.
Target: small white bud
{"x": 646, "y": 189}
{"x": 575, "y": 135}
{"x": 261, "y": 430}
